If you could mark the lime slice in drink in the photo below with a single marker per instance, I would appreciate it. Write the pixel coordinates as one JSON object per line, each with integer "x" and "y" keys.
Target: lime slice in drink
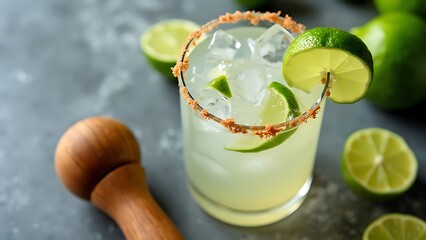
{"x": 320, "y": 50}
{"x": 396, "y": 226}
{"x": 378, "y": 164}
{"x": 280, "y": 106}
{"x": 162, "y": 42}
{"x": 221, "y": 85}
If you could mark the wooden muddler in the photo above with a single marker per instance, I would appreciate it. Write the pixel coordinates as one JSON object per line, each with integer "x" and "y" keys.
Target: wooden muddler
{"x": 98, "y": 159}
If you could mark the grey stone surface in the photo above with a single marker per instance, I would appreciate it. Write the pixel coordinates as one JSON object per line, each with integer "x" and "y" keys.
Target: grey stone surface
{"x": 62, "y": 61}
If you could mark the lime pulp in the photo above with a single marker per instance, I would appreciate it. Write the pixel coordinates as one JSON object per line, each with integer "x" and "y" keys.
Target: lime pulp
{"x": 314, "y": 53}
{"x": 378, "y": 164}
{"x": 396, "y": 226}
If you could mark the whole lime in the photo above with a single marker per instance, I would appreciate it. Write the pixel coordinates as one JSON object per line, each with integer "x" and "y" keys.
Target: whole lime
{"x": 412, "y": 6}
{"x": 396, "y": 41}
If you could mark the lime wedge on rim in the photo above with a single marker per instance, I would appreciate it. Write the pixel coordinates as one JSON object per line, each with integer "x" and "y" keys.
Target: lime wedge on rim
{"x": 396, "y": 226}
{"x": 320, "y": 50}
{"x": 378, "y": 164}
{"x": 162, "y": 42}
{"x": 281, "y": 105}
{"x": 221, "y": 85}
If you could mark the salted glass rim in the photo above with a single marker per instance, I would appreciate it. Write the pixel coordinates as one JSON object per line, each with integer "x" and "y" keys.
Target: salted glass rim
{"x": 254, "y": 18}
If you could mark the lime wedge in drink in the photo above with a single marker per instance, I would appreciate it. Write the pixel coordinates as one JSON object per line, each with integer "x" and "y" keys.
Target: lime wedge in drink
{"x": 378, "y": 164}
{"x": 162, "y": 42}
{"x": 396, "y": 226}
{"x": 280, "y": 106}
{"x": 221, "y": 85}
{"x": 314, "y": 53}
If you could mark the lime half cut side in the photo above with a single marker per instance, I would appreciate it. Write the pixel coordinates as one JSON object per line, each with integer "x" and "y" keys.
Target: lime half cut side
{"x": 378, "y": 164}
{"x": 396, "y": 226}
{"x": 280, "y": 106}
{"x": 318, "y": 51}
{"x": 162, "y": 42}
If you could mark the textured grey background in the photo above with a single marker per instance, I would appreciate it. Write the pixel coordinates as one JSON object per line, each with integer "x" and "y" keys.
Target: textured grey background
{"x": 62, "y": 61}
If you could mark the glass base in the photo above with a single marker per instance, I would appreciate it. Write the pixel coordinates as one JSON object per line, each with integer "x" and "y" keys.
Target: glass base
{"x": 250, "y": 218}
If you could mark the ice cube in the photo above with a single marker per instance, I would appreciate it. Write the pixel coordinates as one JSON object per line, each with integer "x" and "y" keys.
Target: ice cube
{"x": 223, "y": 46}
{"x": 275, "y": 75}
{"x": 251, "y": 43}
{"x": 207, "y": 125}
{"x": 195, "y": 81}
{"x": 223, "y": 68}
{"x": 249, "y": 82}
{"x": 271, "y": 45}
{"x": 245, "y": 113}
{"x": 213, "y": 101}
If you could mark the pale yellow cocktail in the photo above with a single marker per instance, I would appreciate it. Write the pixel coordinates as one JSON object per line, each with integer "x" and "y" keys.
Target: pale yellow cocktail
{"x": 228, "y": 176}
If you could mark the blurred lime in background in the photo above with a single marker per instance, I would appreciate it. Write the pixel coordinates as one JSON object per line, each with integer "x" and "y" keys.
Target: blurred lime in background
{"x": 412, "y": 6}
{"x": 162, "y": 42}
{"x": 396, "y": 41}
{"x": 251, "y": 3}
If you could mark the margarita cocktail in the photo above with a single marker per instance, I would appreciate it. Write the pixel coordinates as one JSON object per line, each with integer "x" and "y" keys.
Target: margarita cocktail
{"x": 250, "y": 139}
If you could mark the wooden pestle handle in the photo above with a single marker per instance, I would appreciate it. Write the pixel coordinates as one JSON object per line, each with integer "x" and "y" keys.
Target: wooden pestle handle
{"x": 123, "y": 195}
{"x": 98, "y": 159}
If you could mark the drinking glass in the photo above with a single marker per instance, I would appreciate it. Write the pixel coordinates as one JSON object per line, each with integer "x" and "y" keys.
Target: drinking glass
{"x": 244, "y": 188}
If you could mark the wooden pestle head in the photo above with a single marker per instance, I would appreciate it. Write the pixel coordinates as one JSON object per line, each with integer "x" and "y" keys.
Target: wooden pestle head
{"x": 92, "y": 148}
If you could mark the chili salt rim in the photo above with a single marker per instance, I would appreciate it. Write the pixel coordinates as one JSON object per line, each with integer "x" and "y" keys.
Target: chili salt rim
{"x": 254, "y": 18}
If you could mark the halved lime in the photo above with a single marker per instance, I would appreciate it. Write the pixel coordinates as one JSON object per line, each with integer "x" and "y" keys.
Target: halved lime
{"x": 221, "y": 85}
{"x": 378, "y": 164}
{"x": 396, "y": 226}
{"x": 280, "y": 106}
{"x": 162, "y": 42}
{"x": 320, "y": 50}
